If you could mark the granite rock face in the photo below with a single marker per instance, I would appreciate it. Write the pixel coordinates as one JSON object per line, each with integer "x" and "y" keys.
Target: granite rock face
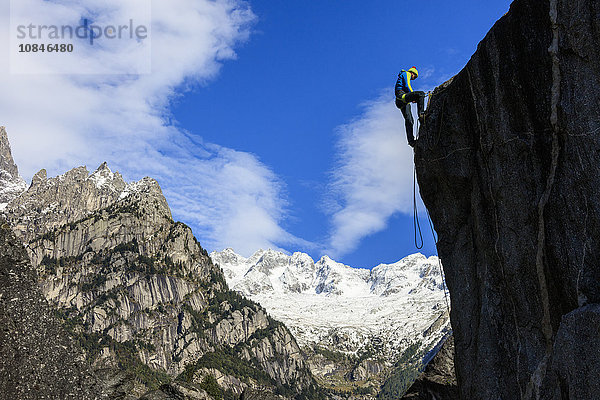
{"x": 438, "y": 381}
{"x": 39, "y": 359}
{"x": 575, "y": 366}
{"x": 150, "y": 312}
{"x": 50, "y": 203}
{"x": 507, "y": 164}
{"x": 6, "y": 160}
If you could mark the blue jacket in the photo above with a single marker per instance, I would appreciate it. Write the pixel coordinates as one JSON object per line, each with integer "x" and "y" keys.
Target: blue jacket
{"x": 403, "y": 83}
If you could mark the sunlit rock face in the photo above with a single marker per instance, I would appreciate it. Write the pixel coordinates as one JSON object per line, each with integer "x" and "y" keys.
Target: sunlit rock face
{"x": 139, "y": 296}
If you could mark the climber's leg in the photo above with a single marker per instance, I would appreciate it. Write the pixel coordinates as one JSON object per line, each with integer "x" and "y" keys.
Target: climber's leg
{"x": 419, "y": 98}
{"x": 408, "y": 123}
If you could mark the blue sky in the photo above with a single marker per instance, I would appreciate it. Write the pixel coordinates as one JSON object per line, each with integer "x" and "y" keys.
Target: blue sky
{"x": 267, "y": 123}
{"x": 307, "y": 69}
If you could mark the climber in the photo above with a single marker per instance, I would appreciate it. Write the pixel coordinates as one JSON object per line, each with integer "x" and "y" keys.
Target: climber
{"x": 406, "y": 95}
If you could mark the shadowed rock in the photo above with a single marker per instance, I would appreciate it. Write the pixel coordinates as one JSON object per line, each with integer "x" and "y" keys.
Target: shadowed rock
{"x": 438, "y": 381}
{"x": 39, "y": 360}
{"x": 507, "y": 165}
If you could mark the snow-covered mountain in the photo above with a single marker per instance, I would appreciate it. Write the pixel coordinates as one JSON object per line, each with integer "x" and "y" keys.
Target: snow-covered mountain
{"x": 332, "y": 305}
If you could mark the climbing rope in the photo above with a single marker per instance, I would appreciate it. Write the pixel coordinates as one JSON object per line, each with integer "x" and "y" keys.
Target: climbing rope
{"x": 439, "y": 262}
{"x": 417, "y": 228}
{"x": 416, "y": 224}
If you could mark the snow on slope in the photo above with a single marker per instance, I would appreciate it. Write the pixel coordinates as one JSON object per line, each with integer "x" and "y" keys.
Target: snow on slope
{"x": 10, "y": 187}
{"x": 337, "y": 306}
{"x": 11, "y": 183}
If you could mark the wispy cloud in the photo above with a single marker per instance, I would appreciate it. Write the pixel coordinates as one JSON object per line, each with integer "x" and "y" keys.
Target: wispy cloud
{"x": 60, "y": 121}
{"x": 373, "y": 176}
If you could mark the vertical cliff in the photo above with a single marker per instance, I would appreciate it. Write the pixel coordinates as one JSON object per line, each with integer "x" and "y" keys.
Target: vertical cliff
{"x": 507, "y": 164}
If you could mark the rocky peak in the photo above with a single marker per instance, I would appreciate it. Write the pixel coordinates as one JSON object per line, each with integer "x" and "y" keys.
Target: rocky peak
{"x": 11, "y": 184}
{"x": 103, "y": 177}
{"x": 53, "y": 202}
{"x": 400, "y": 277}
{"x": 39, "y": 177}
{"x": 6, "y": 160}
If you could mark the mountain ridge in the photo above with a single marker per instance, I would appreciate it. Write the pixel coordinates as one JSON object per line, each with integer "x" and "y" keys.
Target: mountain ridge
{"x": 376, "y": 277}
{"x": 374, "y": 315}
{"x": 141, "y": 297}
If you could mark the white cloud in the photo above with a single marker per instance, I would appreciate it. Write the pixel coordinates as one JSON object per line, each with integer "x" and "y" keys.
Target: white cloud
{"x": 373, "y": 177}
{"x": 60, "y": 121}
